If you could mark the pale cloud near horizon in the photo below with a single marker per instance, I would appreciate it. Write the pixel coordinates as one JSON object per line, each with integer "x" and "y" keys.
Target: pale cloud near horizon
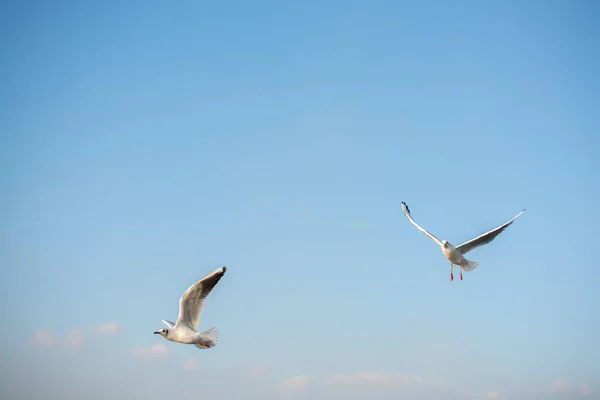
{"x": 586, "y": 390}
{"x": 291, "y": 386}
{"x": 381, "y": 384}
{"x": 155, "y": 351}
{"x": 260, "y": 369}
{"x": 74, "y": 338}
{"x": 43, "y": 337}
{"x": 387, "y": 384}
{"x": 191, "y": 365}
{"x": 561, "y": 386}
{"x": 370, "y": 378}
{"x": 382, "y": 378}
{"x": 107, "y": 328}
{"x": 46, "y": 338}
{"x": 359, "y": 385}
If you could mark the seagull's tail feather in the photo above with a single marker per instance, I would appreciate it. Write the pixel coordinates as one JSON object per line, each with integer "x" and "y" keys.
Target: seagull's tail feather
{"x": 208, "y": 339}
{"x": 469, "y": 265}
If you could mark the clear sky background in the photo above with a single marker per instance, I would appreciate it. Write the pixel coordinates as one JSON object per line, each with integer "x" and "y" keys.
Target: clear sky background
{"x": 144, "y": 144}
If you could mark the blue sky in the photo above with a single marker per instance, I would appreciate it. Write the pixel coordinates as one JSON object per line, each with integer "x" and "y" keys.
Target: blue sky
{"x": 144, "y": 144}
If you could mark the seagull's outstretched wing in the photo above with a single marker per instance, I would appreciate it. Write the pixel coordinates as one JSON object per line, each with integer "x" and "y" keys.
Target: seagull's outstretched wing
{"x": 486, "y": 237}
{"x": 191, "y": 302}
{"x": 407, "y": 213}
{"x": 168, "y": 323}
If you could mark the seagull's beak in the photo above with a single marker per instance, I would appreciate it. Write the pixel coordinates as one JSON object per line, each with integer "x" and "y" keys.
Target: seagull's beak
{"x": 157, "y": 333}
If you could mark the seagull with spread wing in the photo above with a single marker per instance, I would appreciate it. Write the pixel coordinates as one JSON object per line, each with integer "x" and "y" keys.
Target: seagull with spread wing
{"x": 190, "y": 308}
{"x": 455, "y": 254}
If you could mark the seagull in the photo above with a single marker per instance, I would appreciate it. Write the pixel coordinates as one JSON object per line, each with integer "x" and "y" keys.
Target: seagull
{"x": 190, "y": 309}
{"x": 455, "y": 254}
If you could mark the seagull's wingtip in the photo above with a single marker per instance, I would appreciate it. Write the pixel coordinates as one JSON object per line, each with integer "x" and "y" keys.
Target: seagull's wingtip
{"x": 405, "y": 208}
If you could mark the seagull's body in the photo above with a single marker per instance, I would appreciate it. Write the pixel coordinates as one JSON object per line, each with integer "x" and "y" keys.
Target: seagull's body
{"x": 455, "y": 254}
{"x": 190, "y": 309}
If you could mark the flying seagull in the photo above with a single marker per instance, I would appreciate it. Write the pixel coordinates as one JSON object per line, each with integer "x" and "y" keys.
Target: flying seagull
{"x": 190, "y": 309}
{"x": 455, "y": 254}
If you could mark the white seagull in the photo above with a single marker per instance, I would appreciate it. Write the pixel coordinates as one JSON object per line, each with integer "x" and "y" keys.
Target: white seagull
{"x": 190, "y": 308}
{"x": 455, "y": 254}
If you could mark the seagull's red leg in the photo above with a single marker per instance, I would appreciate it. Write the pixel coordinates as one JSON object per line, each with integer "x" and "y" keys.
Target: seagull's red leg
{"x": 451, "y": 276}
{"x": 461, "y": 272}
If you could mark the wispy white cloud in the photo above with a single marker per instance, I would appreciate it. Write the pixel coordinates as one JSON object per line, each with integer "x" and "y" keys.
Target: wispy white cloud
{"x": 74, "y": 338}
{"x": 382, "y": 378}
{"x": 46, "y": 338}
{"x": 361, "y": 385}
{"x": 586, "y": 390}
{"x": 43, "y": 337}
{"x": 379, "y": 384}
{"x": 260, "y": 369}
{"x": 558, "y": 386}
{"x": 191, "y": 365}
{"x": 107, "y": 328}
{"x": 562, "y": 386}
{"x": 156, "y": 351}
{"x": 293, "y": 385}
{"x": 379, "y": 378}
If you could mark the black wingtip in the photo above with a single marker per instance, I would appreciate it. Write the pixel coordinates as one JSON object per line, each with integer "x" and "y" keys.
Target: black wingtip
{"x": 407, "y": 209}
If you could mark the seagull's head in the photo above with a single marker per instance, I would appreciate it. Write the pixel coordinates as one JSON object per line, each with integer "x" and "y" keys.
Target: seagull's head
{"x": 445, "y": 244}
{"x": 162, "y": 332}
